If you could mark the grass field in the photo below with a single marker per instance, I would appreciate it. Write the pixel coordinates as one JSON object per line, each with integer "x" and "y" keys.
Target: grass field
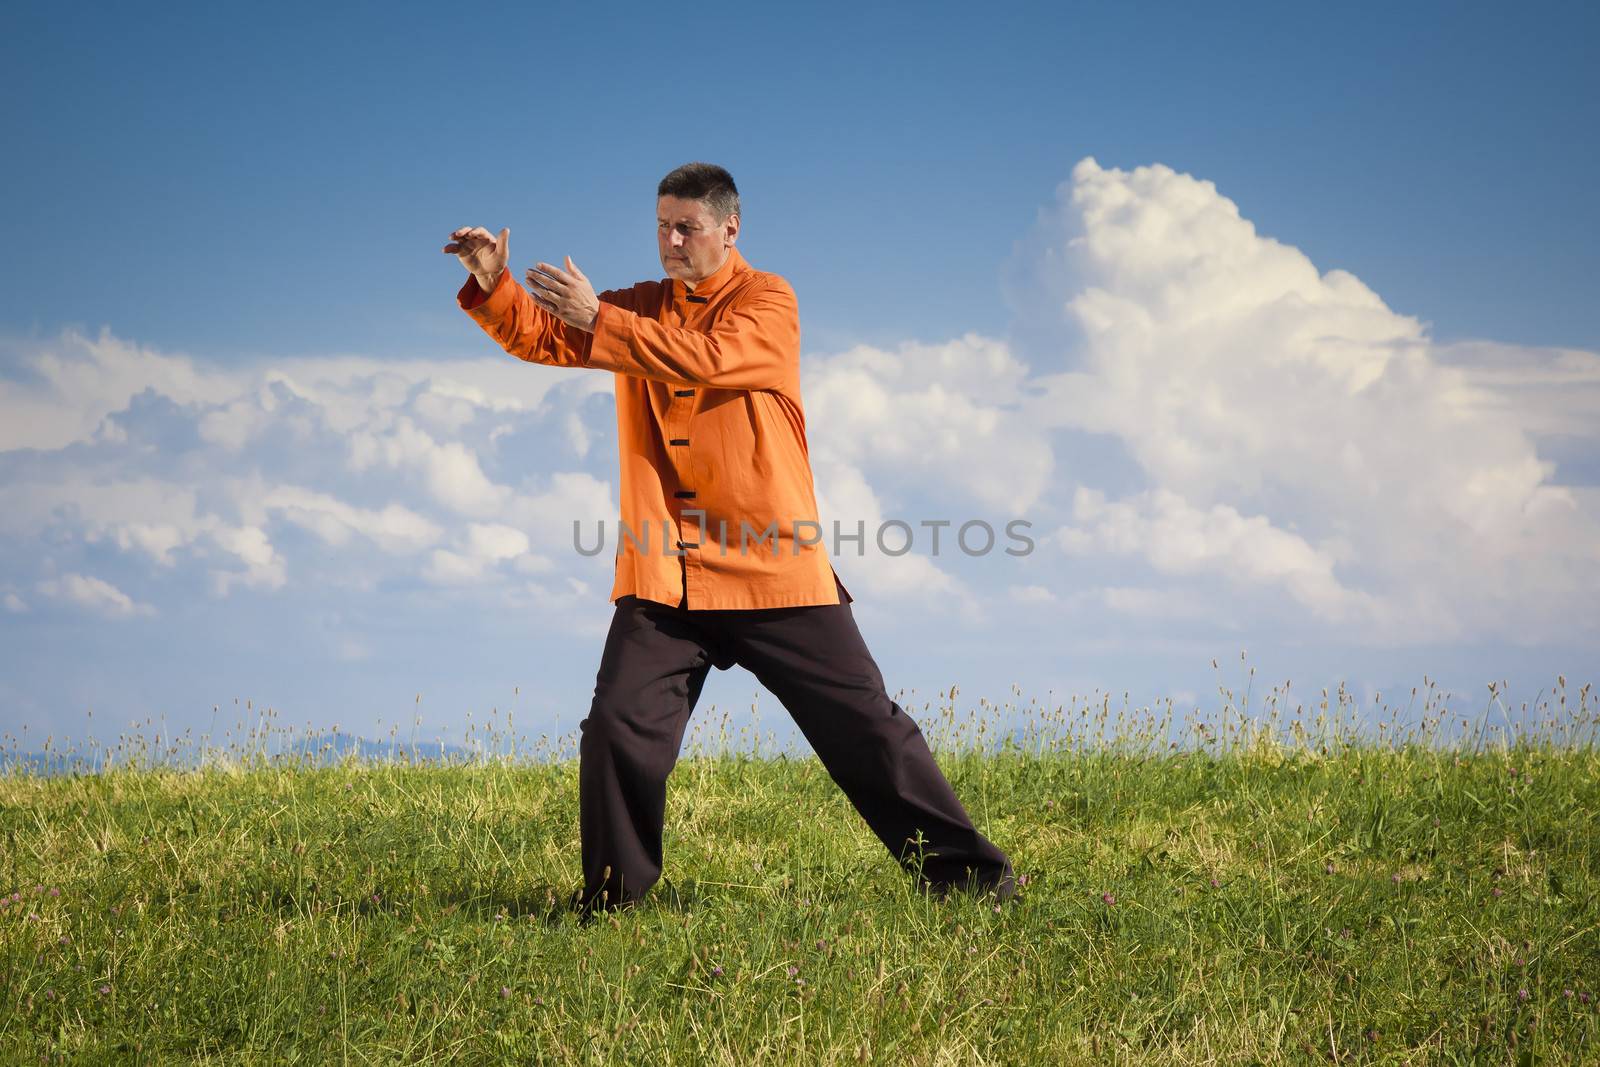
{"x": 1291, "y": 883}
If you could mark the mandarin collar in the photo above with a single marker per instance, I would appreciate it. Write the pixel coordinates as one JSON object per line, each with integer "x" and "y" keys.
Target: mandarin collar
{"x": 707, "y": 287}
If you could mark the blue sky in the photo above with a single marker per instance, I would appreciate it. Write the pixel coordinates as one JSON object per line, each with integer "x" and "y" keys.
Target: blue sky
{"x": 1281, "y": 323}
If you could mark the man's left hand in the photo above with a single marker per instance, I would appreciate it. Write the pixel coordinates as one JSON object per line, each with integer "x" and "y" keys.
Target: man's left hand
{"x": 566, "y": 294}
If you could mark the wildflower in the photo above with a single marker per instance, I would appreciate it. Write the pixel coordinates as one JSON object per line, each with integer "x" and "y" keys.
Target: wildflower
{"x": 1022, "y": 879}
{"x": 1566, "y": 994}
{"x": 50, "y": 994}
{"x": 55, "y": 891}
{"x": 716, "y": 972}
{"x": 505, "y": 991}
{"x": 793, "y": 970}
{"x": 1522, "y": 994}
{"x": 1328, "y": 868}
{"x": 822, "y": 943}
{"x": 1108, "y": 898}
{"x": 105, "y": 989}
{"x": 1499, "y": 892}
{"x": 1395, "y": 878}
{"x": 539, "y": 1001}
{"x": 1583, "y": 998}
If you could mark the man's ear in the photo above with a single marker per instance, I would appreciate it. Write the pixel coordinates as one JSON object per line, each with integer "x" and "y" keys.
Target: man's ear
{"x": 731, "y": 224}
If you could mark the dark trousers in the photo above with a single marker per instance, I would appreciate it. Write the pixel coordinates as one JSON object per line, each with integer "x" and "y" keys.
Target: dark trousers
{"x": 815, "y": 662}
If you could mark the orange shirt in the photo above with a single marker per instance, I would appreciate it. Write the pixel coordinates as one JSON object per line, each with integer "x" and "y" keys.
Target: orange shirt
{"x": 711, "y": 433}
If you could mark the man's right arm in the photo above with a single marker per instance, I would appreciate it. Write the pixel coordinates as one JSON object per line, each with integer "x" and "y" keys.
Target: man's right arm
{"x": 506, "y": 311}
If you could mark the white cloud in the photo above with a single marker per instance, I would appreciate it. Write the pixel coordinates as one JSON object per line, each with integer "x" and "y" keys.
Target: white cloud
{"x": 452, "y": 568}
{"x": 940, "y": 416}
{"x": 186, "y": 466}
{"x": 93, "y": 594}
{"x": 1177, "y": 538}
{"x": 845, "y": 498}
{"x": 483, "y": 548}
{"x": 493, "y": 541}
{"x": 264, "y": 568}
{"x": 15, "y": 604}
{"x": 451, "y": 471}
{"x": 1291, "y": 429}
{"x": 1549, "y": 392}
{"x": 1226, "y": 415}
{"x": 394, "y": 528}
{"x": 77, "y": 381}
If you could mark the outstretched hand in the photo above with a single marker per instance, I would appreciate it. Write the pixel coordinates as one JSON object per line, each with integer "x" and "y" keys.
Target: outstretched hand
{"x": 566, "y": 294}
{"x": 481, "y": 252}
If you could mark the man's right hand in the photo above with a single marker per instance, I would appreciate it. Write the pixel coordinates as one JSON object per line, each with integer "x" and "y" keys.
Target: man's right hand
{"x": 481, "y": 252}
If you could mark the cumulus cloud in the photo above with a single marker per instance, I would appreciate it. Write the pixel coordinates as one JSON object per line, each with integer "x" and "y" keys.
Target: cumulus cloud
{"x": 1178, "y": 538}
{"x": 936, "y": 416}
{"x": 1290, "y": 427}
{"x": 94, "y": 595}
{"x": 852, "y": 518}
{"x": 394, "y": 528}
{"x": 1186, "y": 404}
{"x": 219, "y": 472}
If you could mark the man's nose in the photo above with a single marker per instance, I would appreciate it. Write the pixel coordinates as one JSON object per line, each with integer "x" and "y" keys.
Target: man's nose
{"x": 675, "y": 239}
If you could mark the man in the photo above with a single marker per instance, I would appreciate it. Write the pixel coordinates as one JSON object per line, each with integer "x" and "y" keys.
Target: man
{"x": 711, "y": 435}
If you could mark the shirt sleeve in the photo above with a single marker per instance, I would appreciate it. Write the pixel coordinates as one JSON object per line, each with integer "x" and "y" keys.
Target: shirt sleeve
{"x": 508, "y": 314}
{"x": 754, "y": 345}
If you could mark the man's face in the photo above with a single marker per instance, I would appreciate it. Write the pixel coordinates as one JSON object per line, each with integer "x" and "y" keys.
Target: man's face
{"x": 693, "y": 244}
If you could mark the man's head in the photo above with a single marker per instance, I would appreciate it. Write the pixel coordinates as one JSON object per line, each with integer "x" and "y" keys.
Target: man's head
{"x": 697, "y": 220}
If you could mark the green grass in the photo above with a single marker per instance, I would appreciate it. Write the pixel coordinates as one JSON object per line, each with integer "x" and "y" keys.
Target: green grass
{"x": 1280, "y": 888}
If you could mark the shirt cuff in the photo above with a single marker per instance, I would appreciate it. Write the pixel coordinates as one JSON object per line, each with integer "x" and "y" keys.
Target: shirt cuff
{"x": 613, "y": 332}
{"x": 496, "y": 301}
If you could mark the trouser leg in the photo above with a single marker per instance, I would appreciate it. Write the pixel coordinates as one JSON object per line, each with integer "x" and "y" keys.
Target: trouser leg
{"x": 814, "y": 660}
{"x": 650, "y": 677}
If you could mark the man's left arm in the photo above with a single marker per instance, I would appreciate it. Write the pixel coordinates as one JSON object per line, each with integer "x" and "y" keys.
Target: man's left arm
{"x": 754, "y": 345}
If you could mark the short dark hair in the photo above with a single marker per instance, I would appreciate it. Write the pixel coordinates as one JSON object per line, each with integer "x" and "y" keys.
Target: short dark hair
{"x": 703, "y": 181}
